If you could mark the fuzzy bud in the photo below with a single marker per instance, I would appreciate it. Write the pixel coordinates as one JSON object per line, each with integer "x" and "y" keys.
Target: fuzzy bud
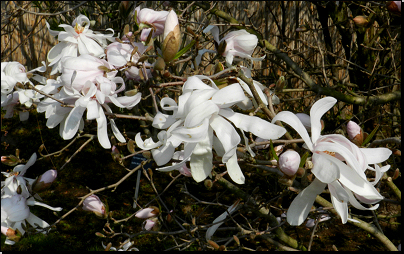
{"x": 289, "y": 162}
{"x": 172, "y": 37}
{"x": 44, "y": 181}
{"x": 355, "y": 133}
{"x": 361, "y": 21}
{"x": 10, "y": 160}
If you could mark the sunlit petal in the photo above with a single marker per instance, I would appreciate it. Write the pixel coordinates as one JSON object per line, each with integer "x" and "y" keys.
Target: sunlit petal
{"x": 316, "y": 112}
{"x": 201, "y": 158}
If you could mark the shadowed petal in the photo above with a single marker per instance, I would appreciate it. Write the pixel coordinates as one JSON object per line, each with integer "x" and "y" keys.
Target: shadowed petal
{"x": 201, "y": 158}
{"x": 301, "y": 205}
{"x": 234, "y": 170}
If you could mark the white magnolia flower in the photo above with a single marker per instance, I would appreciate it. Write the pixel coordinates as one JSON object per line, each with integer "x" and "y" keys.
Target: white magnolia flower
{"x": 202, "y": 120}
{"x": 15, "y": 211}
{"x": 238, "y": 43}
{"x": 346, "y": 181}
{"x": 16, "y": 178}
{"x": 150, "y": 21}
{"x": 77, "y": 37}
{"x": 93, "y": 98}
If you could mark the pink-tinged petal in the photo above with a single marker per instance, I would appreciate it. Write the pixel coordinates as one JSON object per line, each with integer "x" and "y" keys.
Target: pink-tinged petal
{"x": 201, "y": 158}
{"x": 228, "y": 96}
{"x": 301, "y": 205}
{"x": 102, "y": 132}
{"x": 358, "y": 205}
{"x": 338, "y": 191}
{"x": 72, "y": 122}
{"x": 295, "y": 123}
{"x": 149, "y": 224}
{"x": 171, "y": 22}
{"x": 163, "y": 154}
{"x": 193, "y": 134}
{"x": 234, "y": 170}
{"x": 376, "y": 155}
{"x": 198, "y": 114}
{"x": 324, "y": 168}
{"x": 341, "y": 208}
{"x": 92, "y": 110}
{"x": 115, "y": 57}
{"x": 316, "y": 112}
{"x": 255, "y": 125}
{"x": 227, "y": 136}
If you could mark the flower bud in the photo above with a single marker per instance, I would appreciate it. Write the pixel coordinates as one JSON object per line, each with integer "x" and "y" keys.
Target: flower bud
{"x": 361, "y": 21}
{"x": 152, "y": 224}
{"x": 394, "y": 7}
{"x": 10, "y": 160}
{"x": 44, "y": 181}
{"x": 355, "y": 133}
{"x": 13, "y": 235}
{"x": 94, "y": 204}
{"x": 289, "y": 162}
{"x": 172, "y": 37}
{"x": 145, "y": 213}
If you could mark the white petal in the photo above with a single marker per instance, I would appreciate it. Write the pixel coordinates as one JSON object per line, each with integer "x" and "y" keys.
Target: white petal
{"x": 301, "y": 205}
{"x": 338, "y": 191}
{"x": 227, "y": 135}
{"x": 211, "y": 230}
{"x": 92, "y": 110}
{"x": 188, "y": 149}
{"x": 253, "y": 124}
{"x": 295, "y": 123}
{"x": 200, "y": 113}
{"x": 30, "y": 162}
{"x": 35, "y": 222}
{"x": 162, "y": 121}
{"x": 102, "y": 132}
{"x": 341, "y": 208}
{"x": 214, "y": 30}
{"x": 193, "y": 134}
{"x": 147, "y": 144}
{"x": 358, "y": 205}
{"x": 228, "y": 96}
{"x": 234, "y": 170}
{"x": 201, "y": 158}
{"x": 163, "y": 154}
{"x": 316, "y": 112}
{"x": 72, "y": 122}
{"x": 325, "y": 169}
{"x": 376, "y": 155}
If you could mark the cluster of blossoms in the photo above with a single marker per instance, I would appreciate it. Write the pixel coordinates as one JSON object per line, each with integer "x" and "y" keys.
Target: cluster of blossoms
{"x": 19, "y": 192}
{"x": 202, "y": 119}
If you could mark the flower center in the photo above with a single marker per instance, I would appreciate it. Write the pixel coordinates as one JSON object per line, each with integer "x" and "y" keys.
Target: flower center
{"x": 329, "y": 153}
{"x": 79, "y": 29}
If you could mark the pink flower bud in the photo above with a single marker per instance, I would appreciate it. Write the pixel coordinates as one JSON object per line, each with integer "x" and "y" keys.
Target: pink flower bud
{"x": 151, "y": 224}
{"x": 289, "y": 162}
{"x": 394, "y": 7}
{"x": 44, "y": 181}
{"x": 355, "y": 133}
{"x": 147, "y": 212}
{"x": 94, "y": 204}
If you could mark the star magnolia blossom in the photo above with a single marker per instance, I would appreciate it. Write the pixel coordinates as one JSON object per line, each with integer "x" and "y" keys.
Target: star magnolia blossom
{"x": 346, "y": 181}
{"x": 77, "y": 37}
{"x": 201, "y": 121}
{"x": 150, "y": 20}
{"x": 16, "y": 178}
{"x": 238, "y": 43}
{"x": 15, "y": 211}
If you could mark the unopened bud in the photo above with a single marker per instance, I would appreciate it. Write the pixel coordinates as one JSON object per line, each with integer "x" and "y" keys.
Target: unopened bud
{"x": 208, "y": 184}
{"x": 289, "y": 162}
{"x": 94, "y": 204}
{"x": 300, "y": 172}
{"x": 44, "y": 181}
{"x": 10, "y": 160}
{"x": 172, "y": 37}
{"x": 394, "y": 7}
{"x": 355, "y": 133}
{"x": 361, "y": 21}
{"x": 160, "y": 64}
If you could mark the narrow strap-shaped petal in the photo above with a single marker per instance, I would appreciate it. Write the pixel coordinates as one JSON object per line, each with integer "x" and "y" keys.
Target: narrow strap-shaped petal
{"x": 228, "y": 96}
{"x": 71, "y": 124}
{"x": 211, "y": 230}
{"x": 358, "y": 205}
{"x": 227, "y": 135}
{"x": 201, "y": 158}
{"x": 376, "y": 155}
{"x": 301, "y": 205}
{"x": 316, "y": 112}
{"x": 253, "y": 124}
{"x": 102, "y": 132}
{"x": 234, "y": 170}
{"x": 341, "y": 208}
{"x": 294, "y": 122}
{"x": 30, "y": 162}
